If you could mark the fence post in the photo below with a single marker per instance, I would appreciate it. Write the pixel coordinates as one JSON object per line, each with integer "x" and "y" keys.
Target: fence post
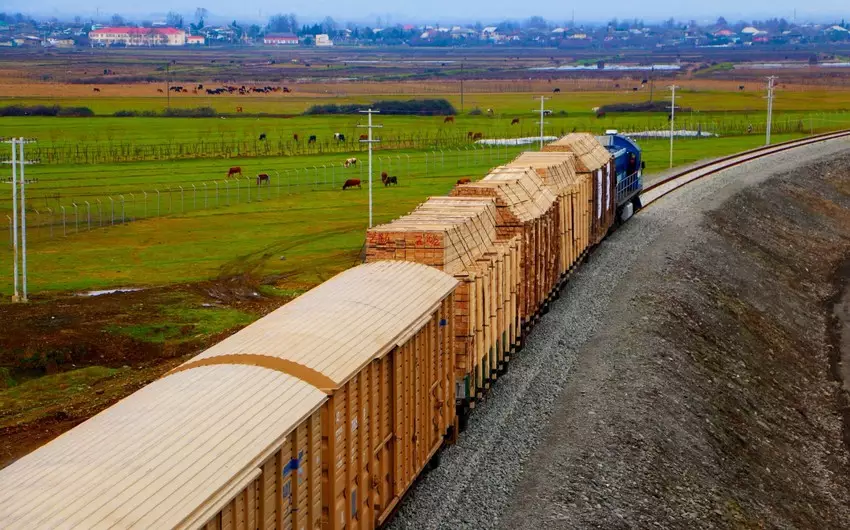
{"x": 408, "y": 165}
{"x": 182, "y": 209}
{"x": 122, "y": 209}
{"x": 76, "y": 218}
{"x": 333, "y": 175}
{"x": 316, "y": 179}
{"x": 216, "y": 193}
{"x": 237, "y": 190}
{"x": 157, "y": 203}
{"x": 206, "y": 192}
{"x": 64, "y": 232}
{"x": 249, "y": 189}
{"x": 99, "y": 213}
{"x": 112, "y": 205}
{"x": 227, "y": 193}
{"x": 88, "y": 213}
{"x": 296, "y": 179}
{"x": 325, "y": 174}
{"x": 145, "y": 209}
{"x": 50, "y": 222}
{"x": 133, "y": 199}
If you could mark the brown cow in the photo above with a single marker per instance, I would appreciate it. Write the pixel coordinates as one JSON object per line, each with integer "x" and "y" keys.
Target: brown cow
{"x": 515, "y": 121}
{"x": 96, "y": 89}
{"x": 295, "y": 137}
{"x": 350, "y": 183}
{"x": 383, "y": 176}
{"x": 449, "y": 119}
{"x": 235, "y": 170}
{"x": 477, "y": 136}
{"x": 159, "y": 90}
{"x": 263, "y": 177}
{"x": 238, "y": 109}
{"x": 463, "y": 181}
{"x": 364, "y": 137}
{"x": 469, "y": 134}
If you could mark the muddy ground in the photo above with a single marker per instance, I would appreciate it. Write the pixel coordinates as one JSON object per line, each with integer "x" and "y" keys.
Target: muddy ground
{"x": 712, "y": 397}
{"x": 63, "y": 334}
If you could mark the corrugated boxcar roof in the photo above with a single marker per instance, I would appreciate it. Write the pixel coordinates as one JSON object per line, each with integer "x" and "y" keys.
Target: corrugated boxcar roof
{"x": 328, "y": 334}
{"x": 521, "y": 189}
{"x": 557, "y": 169}
{"x": 468, "y": 225}
{"x": 187, "y": 441}
{"x": 590, "y": 154}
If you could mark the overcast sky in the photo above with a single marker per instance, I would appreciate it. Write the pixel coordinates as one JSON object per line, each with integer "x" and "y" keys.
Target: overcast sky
{"x": 394, "y": 11}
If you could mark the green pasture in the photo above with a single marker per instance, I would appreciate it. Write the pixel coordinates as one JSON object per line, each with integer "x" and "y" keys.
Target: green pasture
{"x": 295, "y": 237}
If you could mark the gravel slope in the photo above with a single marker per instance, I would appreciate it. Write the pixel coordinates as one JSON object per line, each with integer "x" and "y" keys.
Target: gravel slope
{"x": 480, "y": 476}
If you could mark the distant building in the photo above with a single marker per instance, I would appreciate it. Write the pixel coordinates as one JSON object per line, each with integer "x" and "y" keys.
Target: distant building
{"x": 280, "y": 39}
{"x": 323, "y": 40}
{"x": 128, "y": 36}
{"x": 196, "y": 40}
{"x": 60, "y": 43}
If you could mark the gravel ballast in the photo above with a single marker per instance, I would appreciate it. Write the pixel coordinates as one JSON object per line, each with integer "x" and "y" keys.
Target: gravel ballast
{"x": 480, "y": 482}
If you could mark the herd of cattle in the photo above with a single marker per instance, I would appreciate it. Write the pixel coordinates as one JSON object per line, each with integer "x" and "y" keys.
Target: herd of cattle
{"x": 264, "y": 178}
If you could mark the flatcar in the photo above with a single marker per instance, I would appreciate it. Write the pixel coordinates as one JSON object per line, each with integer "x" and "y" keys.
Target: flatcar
{"x": 628, "y": 167}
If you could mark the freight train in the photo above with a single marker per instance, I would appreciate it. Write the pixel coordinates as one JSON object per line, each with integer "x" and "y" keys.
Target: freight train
{"x": 324, "y": 412}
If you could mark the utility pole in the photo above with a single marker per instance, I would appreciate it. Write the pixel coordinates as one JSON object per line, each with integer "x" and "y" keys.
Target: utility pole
{"x": 542, "y": 112}
{"x": 770, "y": 87}
{"x": 370, "y": 141}
{"x": 18, "y": 162}
{"x": 672, "y": 118}
{"x": 461, "y": 87}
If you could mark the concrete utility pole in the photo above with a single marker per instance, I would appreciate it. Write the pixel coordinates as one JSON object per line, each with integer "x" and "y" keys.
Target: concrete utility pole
{"x": 370, "y": 141}
{"x": 18, "y": 162}
{"x": 542, "y": 112}
{"x": 672, "y": 119}
{"x": 770, "y": 87}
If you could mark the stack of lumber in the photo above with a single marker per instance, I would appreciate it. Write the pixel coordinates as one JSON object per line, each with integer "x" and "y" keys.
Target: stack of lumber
{"x": 557, "y": 170}
{"x": 525, "y": 208}
{"x": 593, "y": 159}
{"x": 458, "y": 236}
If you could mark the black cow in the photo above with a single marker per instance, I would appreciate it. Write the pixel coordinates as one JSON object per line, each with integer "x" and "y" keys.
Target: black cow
{"x": 262, "y": 136}
{"x": 312, "y": 139}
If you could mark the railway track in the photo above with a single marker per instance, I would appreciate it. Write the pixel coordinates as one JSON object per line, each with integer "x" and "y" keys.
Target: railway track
{"x": 659, "y": 189}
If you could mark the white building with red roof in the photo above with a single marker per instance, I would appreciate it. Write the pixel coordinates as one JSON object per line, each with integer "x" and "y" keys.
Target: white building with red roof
{"x": 131, "y": 36}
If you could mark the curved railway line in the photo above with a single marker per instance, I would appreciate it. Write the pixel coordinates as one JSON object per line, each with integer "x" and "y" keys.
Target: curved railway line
{"x": 670, "y": 184}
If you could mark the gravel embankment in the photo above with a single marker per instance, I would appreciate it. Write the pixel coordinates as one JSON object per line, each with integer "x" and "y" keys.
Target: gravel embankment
{"x": 479, "y": 476}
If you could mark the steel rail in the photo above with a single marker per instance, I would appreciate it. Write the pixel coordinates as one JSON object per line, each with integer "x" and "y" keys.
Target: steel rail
{"x": 670, "y": 184}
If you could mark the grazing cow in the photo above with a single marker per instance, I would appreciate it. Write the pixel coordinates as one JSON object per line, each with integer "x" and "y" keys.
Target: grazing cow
{"x": 350, "y": 162}
{"x": 235, "y": 170}
{"x": 515, "y": 121}
{"x": 490, "y": 112}
{"x": 469, "y": 134}
{"x": 238, "y": 109}
{"x": 389, "y": 180}
{"x": 449, "y": 119}
{"x": 200, "y": 87}
{"x": 740, "y": 87}
{"x": 644, "y": 81}
{"x": 339, "y": 137}
{"x": 263, "y": 177}
{"x": 96, "y": 89}
{"x": 477, "y": 136}
{"x": 384, "y": 176}
{"x": 160, "y": 91}
{"x": 312, "y": 139}
{"x": 463, "y": 181}
{"x": 556, "y": 90}
{"x": 286, "y": 90}
{"x": 634, "y": 89}
{"x": 262, "y": 136}
{"x": 350, "y": 183}
{"x": 364, "y": 137}
{"x": 295, "y": 137}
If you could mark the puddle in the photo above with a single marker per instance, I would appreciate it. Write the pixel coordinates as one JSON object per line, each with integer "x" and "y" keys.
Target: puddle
{"x": 110, "y": 291}
{"x": 516, "y": 141}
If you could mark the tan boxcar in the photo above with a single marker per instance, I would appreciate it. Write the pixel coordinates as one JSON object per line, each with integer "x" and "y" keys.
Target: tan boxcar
{"x": 458, "y": 236}
{"x": 557, "y": 169}
{"x": 594, "y": 160}
{"x": 526, "y": 208}
{"x": 319, "y": 415}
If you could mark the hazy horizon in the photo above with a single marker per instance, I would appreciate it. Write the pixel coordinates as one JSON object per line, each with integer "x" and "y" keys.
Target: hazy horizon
{"x": 437, "y": 11}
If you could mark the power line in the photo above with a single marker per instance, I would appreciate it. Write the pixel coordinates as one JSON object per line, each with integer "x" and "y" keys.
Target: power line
{"x": 370, "y": 141}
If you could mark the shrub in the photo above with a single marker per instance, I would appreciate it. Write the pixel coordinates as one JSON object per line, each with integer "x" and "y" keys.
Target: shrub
{"x": 198, "y": 112}
{"x": 44, "y": 110}
{"x": 428, "y": 107}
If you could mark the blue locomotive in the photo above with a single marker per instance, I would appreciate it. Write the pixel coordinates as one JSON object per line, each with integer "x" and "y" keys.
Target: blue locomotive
{"x": 628, "y": 166}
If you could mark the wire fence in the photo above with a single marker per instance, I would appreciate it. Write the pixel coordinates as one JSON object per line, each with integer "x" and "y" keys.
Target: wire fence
{"x": 54, "y": 216}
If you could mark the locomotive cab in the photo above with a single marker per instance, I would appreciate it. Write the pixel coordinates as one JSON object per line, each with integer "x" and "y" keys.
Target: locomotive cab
{"x": 628, "y": 167}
